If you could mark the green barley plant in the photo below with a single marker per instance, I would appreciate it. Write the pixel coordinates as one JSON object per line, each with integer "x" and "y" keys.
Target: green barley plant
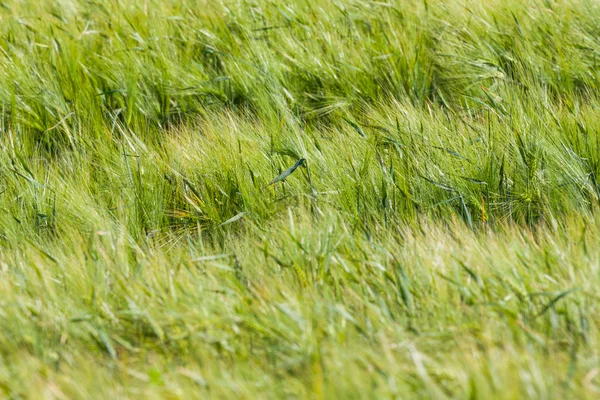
{"x": 158, "y": 238}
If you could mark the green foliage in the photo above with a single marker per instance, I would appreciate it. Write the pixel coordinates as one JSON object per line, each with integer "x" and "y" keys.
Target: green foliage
{"x": 304, "y": 199}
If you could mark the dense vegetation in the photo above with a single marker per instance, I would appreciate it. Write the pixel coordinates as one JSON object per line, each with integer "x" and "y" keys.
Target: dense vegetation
{"x": 439, "y": 241}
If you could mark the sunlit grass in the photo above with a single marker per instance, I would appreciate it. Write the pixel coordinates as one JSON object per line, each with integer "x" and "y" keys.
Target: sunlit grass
{"x": 160, "y": 237}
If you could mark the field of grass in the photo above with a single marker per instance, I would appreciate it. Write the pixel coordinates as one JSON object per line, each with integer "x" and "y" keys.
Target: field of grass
{"x": 439, "y": 241}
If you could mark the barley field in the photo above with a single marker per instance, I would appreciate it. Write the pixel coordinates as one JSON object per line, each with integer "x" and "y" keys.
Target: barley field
{"x": 299, "y": 199}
